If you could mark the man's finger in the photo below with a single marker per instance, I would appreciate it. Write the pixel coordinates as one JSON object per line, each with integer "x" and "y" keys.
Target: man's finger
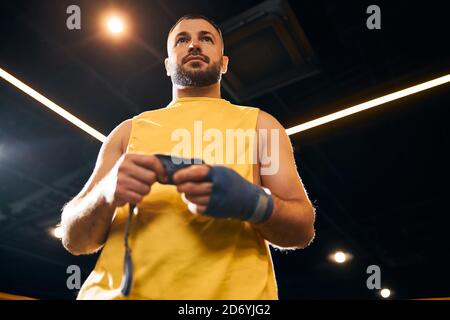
{"x": 192, "y": 173}
{"x": 195, "y": 188}
{"x": 140, "y": 173}
{"x": 152, "y": 163}
{"x": 201, "y": 209}
{"x": 198, "y": 200}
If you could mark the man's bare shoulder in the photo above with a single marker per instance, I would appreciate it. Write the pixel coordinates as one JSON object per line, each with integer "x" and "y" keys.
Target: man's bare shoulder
{"x": 123, "y": 132}
{"x": 267, "y": 121}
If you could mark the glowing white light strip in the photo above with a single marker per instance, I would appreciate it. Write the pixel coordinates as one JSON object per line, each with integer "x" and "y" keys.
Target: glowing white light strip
{"x": 369, "y": 104}
{"x": 51, "y": 105}
{"x": 299, "y": 128}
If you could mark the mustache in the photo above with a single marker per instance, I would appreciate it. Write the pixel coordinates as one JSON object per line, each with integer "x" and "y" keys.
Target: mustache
{"x": 196, "y": 55}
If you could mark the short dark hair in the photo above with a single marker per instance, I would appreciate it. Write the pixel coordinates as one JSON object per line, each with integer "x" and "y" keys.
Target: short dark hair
{"x": 194, "y": 16}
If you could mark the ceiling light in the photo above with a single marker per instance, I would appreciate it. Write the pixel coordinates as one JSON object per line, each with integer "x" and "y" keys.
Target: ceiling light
{"x": 385, "y": 293}
{"x": 368, "y": 104}
{"x": 51, "y": 105}
{"x": 115, "y": 25}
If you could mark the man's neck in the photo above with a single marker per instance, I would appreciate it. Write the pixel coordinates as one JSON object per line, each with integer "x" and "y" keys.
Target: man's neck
{"x": 212, "y": 91}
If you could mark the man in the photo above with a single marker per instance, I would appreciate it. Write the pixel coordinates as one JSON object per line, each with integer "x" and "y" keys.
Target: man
{"x": 205, "y": 235}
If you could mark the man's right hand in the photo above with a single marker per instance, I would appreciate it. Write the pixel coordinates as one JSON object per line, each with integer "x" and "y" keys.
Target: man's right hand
{"x": 132, "y": 178}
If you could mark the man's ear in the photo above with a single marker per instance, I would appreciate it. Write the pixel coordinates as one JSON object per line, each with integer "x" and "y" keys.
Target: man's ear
{"x": 166, "y": 63}
{"x": 225, "y": 61}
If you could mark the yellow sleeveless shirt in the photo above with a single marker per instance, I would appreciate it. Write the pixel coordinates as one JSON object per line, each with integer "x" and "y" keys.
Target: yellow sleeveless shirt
{"x": 177, "y": 254}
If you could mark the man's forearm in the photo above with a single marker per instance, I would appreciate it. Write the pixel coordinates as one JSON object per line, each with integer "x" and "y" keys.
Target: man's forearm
{"x": 291, "y": 224}
{"x": 86, "y": 222}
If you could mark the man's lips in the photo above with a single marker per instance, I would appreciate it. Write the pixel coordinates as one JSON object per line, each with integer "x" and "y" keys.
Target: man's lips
{"x": 194, "y": 58}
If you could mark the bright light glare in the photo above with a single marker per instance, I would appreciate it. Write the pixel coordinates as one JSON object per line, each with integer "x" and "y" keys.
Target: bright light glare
{"x": 385, "y": 293}
{"x": 115, "y": 25}
{"x": 340, "y": 257}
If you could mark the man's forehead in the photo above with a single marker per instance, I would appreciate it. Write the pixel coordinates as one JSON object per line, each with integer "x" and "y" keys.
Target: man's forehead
{"x": 194, "y": 26}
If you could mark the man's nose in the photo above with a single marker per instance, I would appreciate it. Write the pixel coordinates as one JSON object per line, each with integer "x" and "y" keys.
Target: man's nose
{"x": 194, "y": 45}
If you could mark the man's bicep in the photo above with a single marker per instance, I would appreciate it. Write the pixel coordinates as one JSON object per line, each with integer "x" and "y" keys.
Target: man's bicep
{"x": 111, "y": 150}
{"x": 280, "y": 175}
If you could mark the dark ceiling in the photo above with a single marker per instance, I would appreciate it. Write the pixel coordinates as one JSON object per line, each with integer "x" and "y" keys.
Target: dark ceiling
{"x": 379, "y": 179}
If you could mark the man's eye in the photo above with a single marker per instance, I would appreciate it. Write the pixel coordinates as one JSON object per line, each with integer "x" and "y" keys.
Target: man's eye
{"x": 207, "y": 38}
{"x": 181, "y": 40}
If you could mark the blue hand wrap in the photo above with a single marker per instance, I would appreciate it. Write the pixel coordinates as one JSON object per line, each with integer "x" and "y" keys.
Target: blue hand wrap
{"x": 234, "y": 197}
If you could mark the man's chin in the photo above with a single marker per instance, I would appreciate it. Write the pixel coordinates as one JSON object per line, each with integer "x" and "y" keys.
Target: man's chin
{"x": 195, "y": 72}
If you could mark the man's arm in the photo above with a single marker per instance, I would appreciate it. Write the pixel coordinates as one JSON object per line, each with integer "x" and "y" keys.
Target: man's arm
{"x": 292, "y": 222}
{"x": 86, "y": 219}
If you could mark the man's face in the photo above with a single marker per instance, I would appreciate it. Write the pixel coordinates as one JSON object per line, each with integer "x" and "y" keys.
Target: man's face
{"x": 195, "y": 54}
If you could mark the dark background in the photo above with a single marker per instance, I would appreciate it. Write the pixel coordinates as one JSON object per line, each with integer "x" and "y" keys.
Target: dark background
{"x": 378, "y": 179}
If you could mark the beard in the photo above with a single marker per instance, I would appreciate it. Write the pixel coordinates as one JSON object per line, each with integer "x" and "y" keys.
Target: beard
{"x": 194, "y": 77}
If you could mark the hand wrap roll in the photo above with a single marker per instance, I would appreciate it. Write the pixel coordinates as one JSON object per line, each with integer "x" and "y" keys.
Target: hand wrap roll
{"x": 172, "y": 164}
